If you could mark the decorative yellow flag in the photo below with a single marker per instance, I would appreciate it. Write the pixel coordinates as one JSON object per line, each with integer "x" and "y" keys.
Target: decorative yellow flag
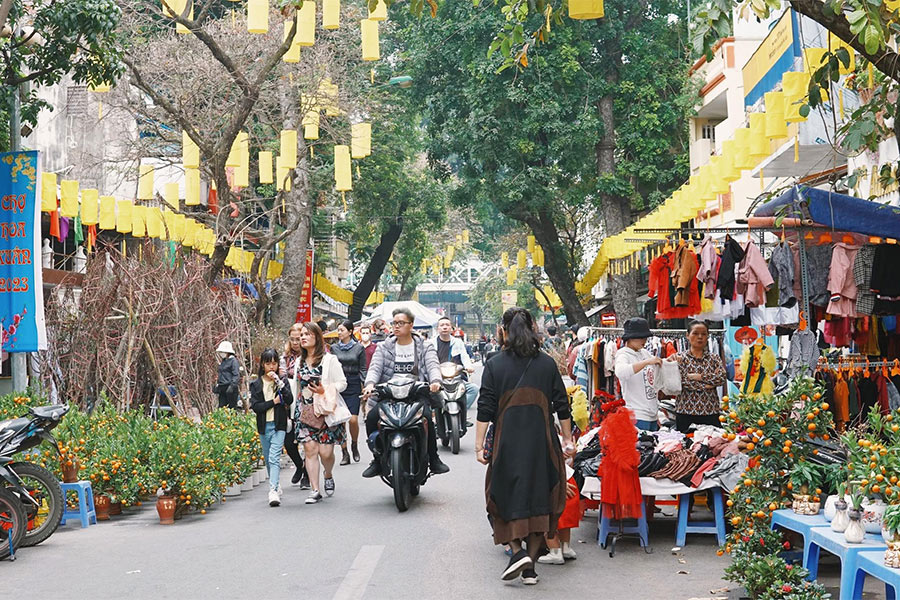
{"x": 343, "y": 178}
{"x": 190, "y": 152}
{"x": 265, "y": 167}
{"x": 380, "y": 12}
{"x": 586, "y": 9}
{"x": 258, "y": 16}
{"x": 191, "y": 187}
{"x": 504, "y": 260}
{"x": 361, "y": 140}
{"x": 306, "y": 24}
{"x": 331, "y": 14}
{"x": 311, "y": 125}
{"x": 153, "y": 218}
{"x": 283, "y": 176}
{"x": 123, "y": 216}
{"x": 138, "y": 213}
{"x": 48, "y": 192}
{"x": 190, "y": 233}
{"x": 234, "y": 155}
{"x": 370, "y": 45}
{"x": 107, "y": 212}
{"x": 293, "y": 53}
{"x": 89, "y": 206}
{"x": 145, "y": 182}
{"x": 171, "y": 194}
{"x": 529, "y": 244}
{"x": 68, "y": 198}
{"x": 289, "y": 148}
{"x": 521, "y": 260}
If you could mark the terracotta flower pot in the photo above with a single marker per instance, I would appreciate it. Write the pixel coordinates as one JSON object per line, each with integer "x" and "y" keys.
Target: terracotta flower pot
{"x": 70, "y": 472}
{"x": 115, "y": 508}
{"x": 101, "y": 505}
{"x": 165, "y": 507}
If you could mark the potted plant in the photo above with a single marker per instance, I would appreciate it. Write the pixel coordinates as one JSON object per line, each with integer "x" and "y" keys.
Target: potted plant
{"x": 841, "y": 519}
{"x": 855, "y": 532}
{"x": 803, "y": 477}
{"x": 890, "y": 525}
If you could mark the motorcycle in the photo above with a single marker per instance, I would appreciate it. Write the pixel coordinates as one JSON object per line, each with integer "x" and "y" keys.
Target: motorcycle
{"x": 36, "y": 488}
{"x": 453, "y": 401}
{"x": 401, "y": 444}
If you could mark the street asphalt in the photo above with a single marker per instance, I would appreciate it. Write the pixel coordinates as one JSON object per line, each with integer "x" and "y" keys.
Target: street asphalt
{"x": 352, "y": 546}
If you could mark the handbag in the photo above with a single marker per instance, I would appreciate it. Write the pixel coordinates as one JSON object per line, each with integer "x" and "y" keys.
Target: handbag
{"x": 340, "y": 415}
{"x": 489, "y": 436}
{"x": 670, "y": 378}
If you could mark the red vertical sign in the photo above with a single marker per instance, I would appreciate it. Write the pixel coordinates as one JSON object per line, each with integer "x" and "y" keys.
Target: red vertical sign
{"x": 304, "y": 308}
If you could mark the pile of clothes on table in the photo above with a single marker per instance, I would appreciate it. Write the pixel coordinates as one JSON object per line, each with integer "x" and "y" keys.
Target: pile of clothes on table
{"x": 669, "y": 454}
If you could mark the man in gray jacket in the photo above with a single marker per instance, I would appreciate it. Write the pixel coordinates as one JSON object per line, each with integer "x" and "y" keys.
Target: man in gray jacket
{"x": 404, "y": 353}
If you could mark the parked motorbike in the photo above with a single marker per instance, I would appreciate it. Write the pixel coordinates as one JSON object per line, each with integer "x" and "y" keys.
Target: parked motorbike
{"x": 12, "y": 524}
{"x": 401, "y": 444}
{"x": 453, "y": 401}
{"x": 36, "y": 488}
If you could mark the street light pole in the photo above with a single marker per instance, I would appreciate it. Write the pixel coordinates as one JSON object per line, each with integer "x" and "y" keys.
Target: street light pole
{"x": 18, "y": 365}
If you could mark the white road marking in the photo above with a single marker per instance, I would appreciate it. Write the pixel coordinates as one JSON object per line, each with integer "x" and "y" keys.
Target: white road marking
{"x": 354, "y": 584}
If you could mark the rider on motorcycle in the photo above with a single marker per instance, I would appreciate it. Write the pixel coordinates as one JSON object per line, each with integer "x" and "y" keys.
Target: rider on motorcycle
{"x": 404, "y": 353}
{"x": 452, "y": 349}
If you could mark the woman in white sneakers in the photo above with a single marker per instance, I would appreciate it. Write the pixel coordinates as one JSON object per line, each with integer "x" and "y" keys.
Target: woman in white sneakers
{"x": 270, "y": 399}
{"x": 320, "y": 378}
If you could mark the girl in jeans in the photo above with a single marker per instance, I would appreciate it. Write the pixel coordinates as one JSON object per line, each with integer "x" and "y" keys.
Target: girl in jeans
{"x": 270, "y": 399}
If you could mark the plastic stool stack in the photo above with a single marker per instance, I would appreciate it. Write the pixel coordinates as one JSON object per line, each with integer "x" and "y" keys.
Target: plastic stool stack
{"x": 86, "y": 513}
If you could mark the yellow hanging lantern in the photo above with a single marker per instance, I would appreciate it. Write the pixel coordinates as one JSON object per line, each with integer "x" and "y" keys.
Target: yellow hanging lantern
{"x": 145, "y": 183}
{"x": 48, "y": 192}
{"x": 776, "y": 126}
{"x": 234, "y": 154}
{"x": 89, "y": 199}
{"x": 293, "y": 53}
{"x": 328, "y": 96}
{"x": 742, "y": 159}
{"x": 306, "y": 24}
{"x": 343, "y": 178}
{"x": 511, "y": 275}
{"x": 718, "y": 184}
{"x": 100, "y": 88}
{"x": 814, "y": 59}
{"x": 380, "y": 12}
{"x": 529, "y": 244}
{"x": 154, "y": 222}
{"x": 836, "y": 43}
{"x": 289, "y": 148}
{"x": 504, "y": 260}
{"x": 265, "y": 167}
{"x": 360, "y": 140}
{"x": 137, "y": 220}
{"x": 176, "y": 7}
{"x": 179, "y": 224}
{"x": 190, "y": 233}
{"x": 795, "y": 85}
{"x": 311, "y": 125}
{"x": 521, "y": 259}
{"x": 191, "y": 187}
{"x": 190, "y": 152}
{"x": 123, "y": 216}
{"x": 242, "y": 176}
{"x": 759, "y": 143}
{"x": 258, "y": 16}
{"x": 537, "y": 257}
{"x": 331, "y": 14}
{"x": 68, "y": 198}
{"x": 586, "y": 9}
{"x": 370, "y": 45}
{"x": 729, "y": 152}
{"x": 107, "y": 212}
{"x": 171, "y": 194}
{"x": 465, "y": 236}
{"x": 448, "y": 256}
{"x": 283, "y": 176}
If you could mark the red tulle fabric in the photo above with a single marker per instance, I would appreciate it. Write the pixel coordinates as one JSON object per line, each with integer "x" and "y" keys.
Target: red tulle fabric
{"x": 621, "y": 487}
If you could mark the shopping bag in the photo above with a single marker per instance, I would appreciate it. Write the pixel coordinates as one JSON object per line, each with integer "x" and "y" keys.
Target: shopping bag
{"x": 670, "y": 378}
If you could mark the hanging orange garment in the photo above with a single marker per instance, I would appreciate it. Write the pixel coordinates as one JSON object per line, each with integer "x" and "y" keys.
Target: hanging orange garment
{"x": 841, "y": 400}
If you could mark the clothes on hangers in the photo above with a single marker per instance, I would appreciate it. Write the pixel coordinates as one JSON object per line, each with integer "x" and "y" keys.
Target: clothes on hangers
{"x": 753, "y": 278}
{"x": 757, "y": 365}
{"x": 732, "y": 255}
{"x": 841, "y": 282}
{"x": 709, "y": 268}
{"x": 781, "y": 268}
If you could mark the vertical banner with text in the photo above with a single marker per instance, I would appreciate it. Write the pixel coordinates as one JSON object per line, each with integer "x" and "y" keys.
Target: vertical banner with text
{"x": 305, "y": 306}
{"x": 21, "y": 280}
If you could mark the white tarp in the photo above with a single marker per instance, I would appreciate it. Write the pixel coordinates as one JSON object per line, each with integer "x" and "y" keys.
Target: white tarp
{"x": 425, "y": 317}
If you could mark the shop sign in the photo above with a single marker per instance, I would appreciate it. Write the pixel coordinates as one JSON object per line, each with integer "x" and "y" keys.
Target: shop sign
{"x": 21, "y": 281}
{"x": 304, "y": 308}
{"x": 772, "y": 59}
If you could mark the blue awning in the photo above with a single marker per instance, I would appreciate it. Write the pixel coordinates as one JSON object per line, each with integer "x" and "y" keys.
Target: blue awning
{"x": 837, "y": 211}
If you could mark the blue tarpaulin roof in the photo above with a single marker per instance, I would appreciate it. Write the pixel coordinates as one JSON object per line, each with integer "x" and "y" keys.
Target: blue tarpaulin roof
{"x": 837, "y": 211}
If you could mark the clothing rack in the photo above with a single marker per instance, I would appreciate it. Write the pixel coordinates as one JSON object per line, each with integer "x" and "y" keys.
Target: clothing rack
{"x": 857, "y": 364}
{"x": 654, "y": 332}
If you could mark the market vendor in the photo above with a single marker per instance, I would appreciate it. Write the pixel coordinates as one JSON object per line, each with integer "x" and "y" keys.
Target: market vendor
{"x": 702, "y": 372}
{"x": 638, "y": 388}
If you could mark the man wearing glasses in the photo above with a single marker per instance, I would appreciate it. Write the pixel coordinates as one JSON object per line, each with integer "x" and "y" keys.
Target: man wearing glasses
{"x": 403, "y": 353}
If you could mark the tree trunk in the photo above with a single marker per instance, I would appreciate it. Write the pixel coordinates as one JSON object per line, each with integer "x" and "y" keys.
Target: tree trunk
{"x": 616, "y": 211}
{"x": 558, "y": 266}
{"x": 286, "y": 295}
{"x": 377, "y": 263}
{"x": 406, "y": 289}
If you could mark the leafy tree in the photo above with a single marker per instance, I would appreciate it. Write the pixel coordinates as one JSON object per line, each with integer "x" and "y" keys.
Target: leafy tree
{"x": 595, "y": 119}
{"x": 44, "y": 40}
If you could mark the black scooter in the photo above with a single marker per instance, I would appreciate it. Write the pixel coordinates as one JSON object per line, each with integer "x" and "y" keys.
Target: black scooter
{"x": 401, "y": 445}
{"x": 36, "y": 488}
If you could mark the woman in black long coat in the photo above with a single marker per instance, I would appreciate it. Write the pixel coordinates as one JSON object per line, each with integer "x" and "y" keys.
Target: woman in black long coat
{"x": 525, "y": 486}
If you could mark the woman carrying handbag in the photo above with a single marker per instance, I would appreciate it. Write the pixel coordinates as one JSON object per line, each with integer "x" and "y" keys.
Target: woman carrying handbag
{"x": 320, "y": 381}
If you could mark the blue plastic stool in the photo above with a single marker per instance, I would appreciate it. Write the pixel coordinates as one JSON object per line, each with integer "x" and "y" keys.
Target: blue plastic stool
{"x": 86, "y": 512}
{"x": 685, "y": 527}
{"x": 615, "y": 528}
{"x": 871, "y": 563}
